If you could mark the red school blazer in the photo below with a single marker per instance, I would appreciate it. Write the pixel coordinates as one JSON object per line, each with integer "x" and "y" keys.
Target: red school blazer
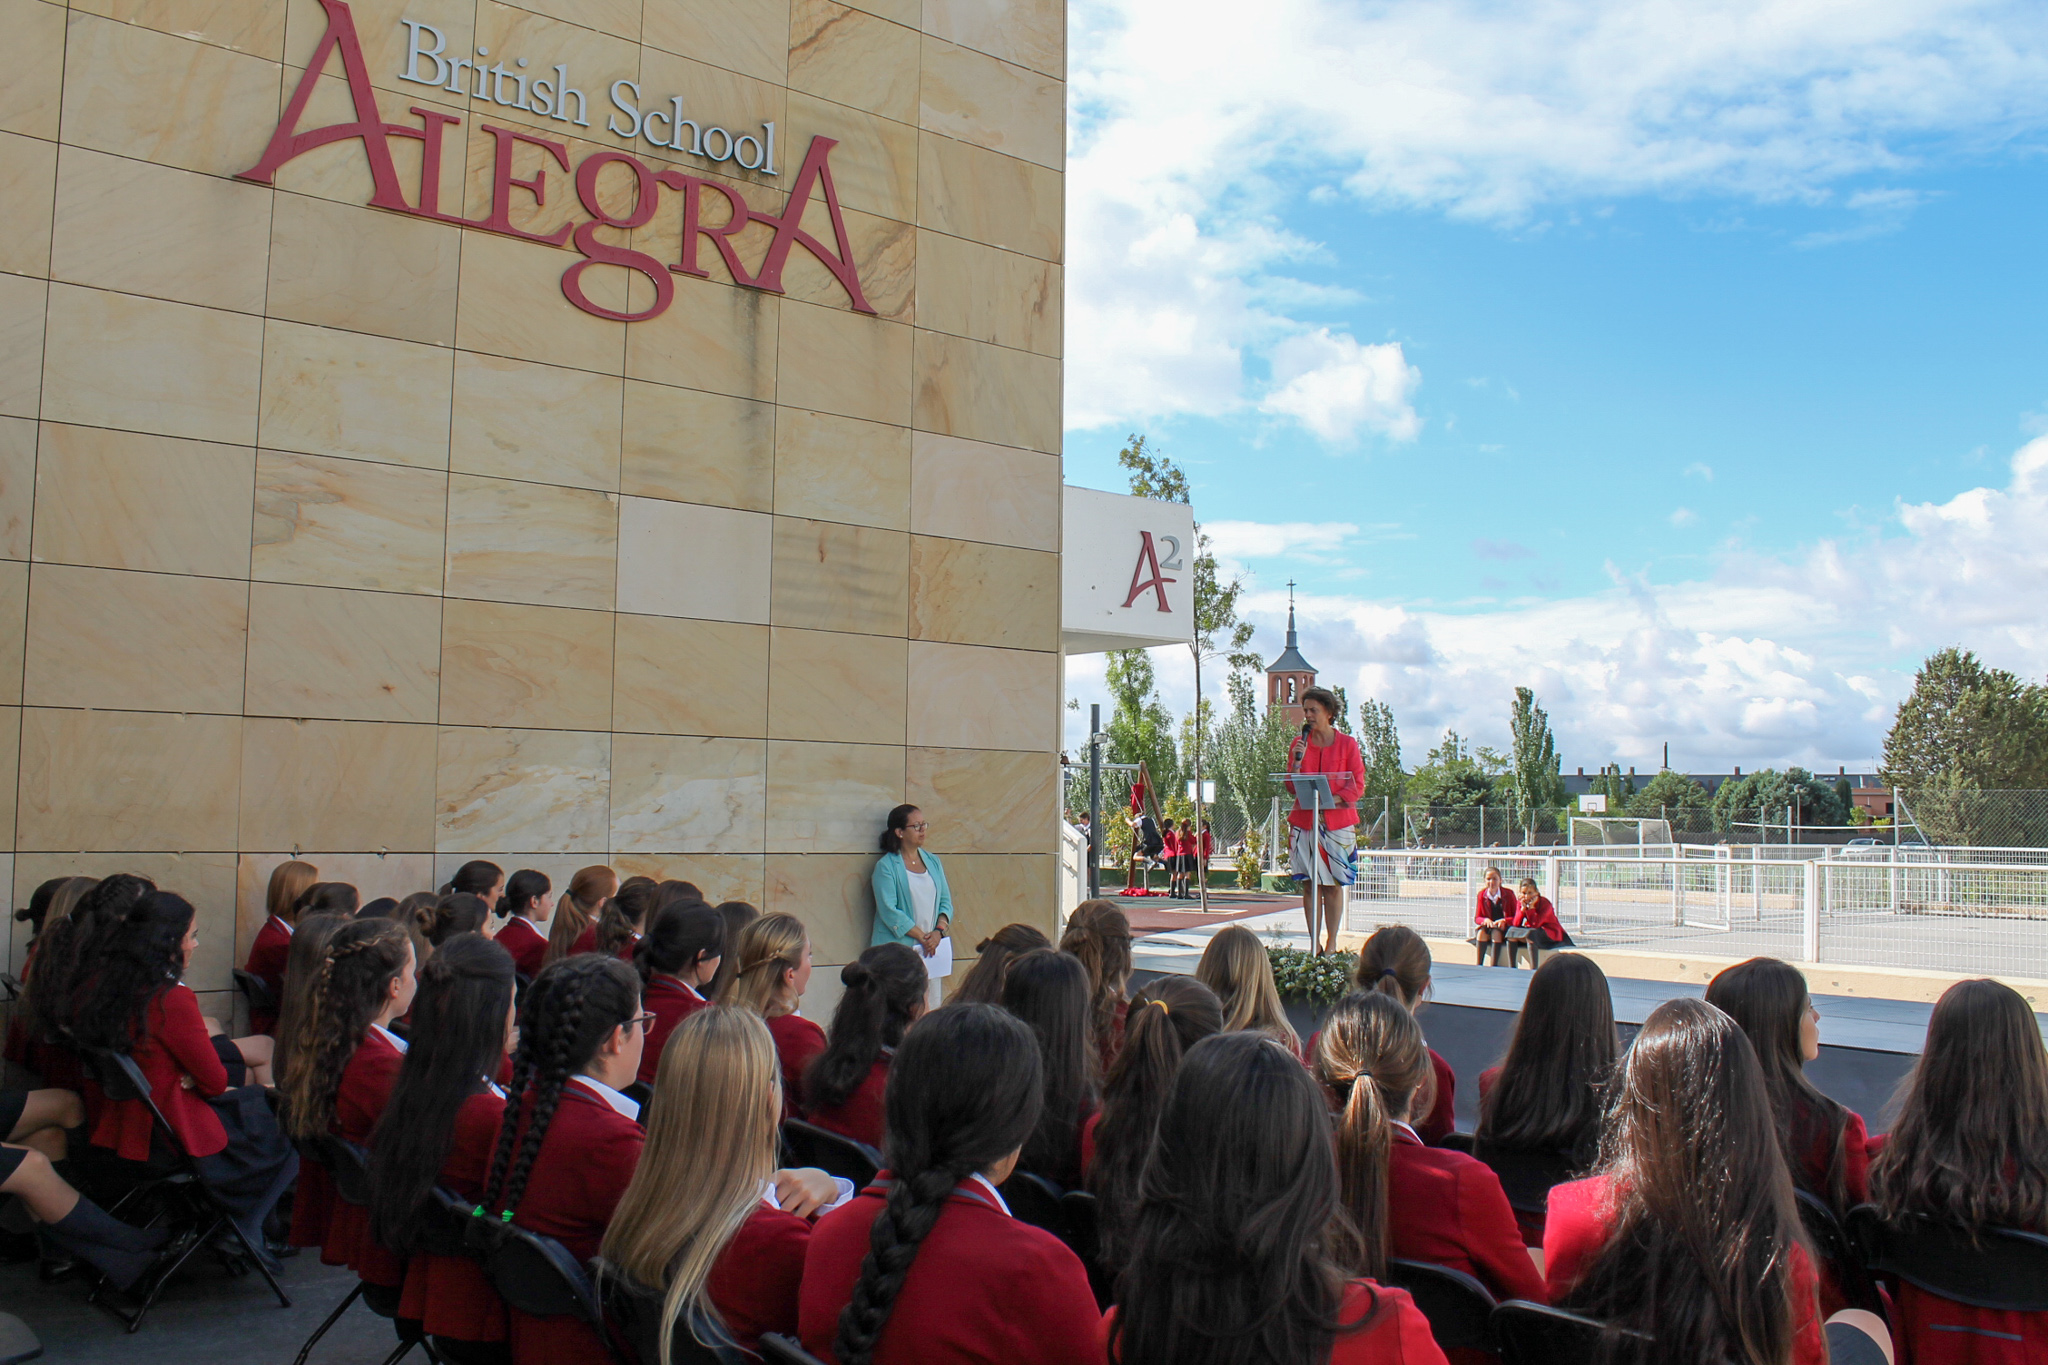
{"x": 1447, "y": 1208}
{"x": 582, "y": 1169}
{"x": 1442, "y": 1118}
{"x": 267, "y": 954}
{"x": 527, "y": 945}
{"x": 174, "y": 1044}
{"x": 1506, "y": 910}
{"x": 670, "y": 1001}
{"x": 1542, "y": 915}
{"x": 366, "y": 1084}
{"x": 797, "y": 1041}
{"x": 756, "y": 1280}
{"x": 450, "y": 1293}
{"x": 985, "y": 1289}
{"x": 1577, "y": 1226}
{"x": 862, "y": 1116}
{"x": 1398, "y": 1335}
{"x": 586, "y": 942}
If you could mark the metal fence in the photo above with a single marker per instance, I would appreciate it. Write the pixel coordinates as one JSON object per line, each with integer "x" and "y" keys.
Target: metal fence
{"x": 1923, "y": 910}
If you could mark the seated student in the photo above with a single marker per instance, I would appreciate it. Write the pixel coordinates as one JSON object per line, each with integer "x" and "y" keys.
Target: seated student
{"x": 1688, "y": 1232}
{"x": 616, "y": 929}
{"x": 135, "y": 1002}
{"x": 345, "y": 1061}
{"x": 1493, "y": 912}
{"x": 1537, "y": 917}
{"x": 457, "y": 912}
{"x": 1825, "y": 1145}
{"x": 708, "y": 1221}
{"x": 676, "y": 960}
{"x": 313, "y": 1200}
{"x": 1395, "y": 961}
{"x": 578, "y": 909}
{"x": 1241, "y": 1251}
{"x": 1099, "y": 934}
{"x": 1048, "y": 990}
{"x": 1168, "y": 1016}
{"x": 1970, "y": 1148}
{"x": 774, "y": 971}
{"x": 439, "y": 1128}
{"x": 272, "y": 944}
{"x": 528, "y": 903}
{"x": 35, "y": 1030}
{"x": 566, "y": 1150}
{"x": 1408, "y": 1200}
{"x": 32, "y": 1125}
{"x": 983, "y": 984}
{"x": 884, "y": 995}
{"x": 1548, "y": 1091}
{"x": 1237, "y": 967}
{"x": 484, "y": 880}
{"x": 927, "y": 1264}
{"x": 737, "y": 916}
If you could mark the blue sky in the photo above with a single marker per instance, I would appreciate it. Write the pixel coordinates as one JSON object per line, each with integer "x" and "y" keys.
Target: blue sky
{"x": 1693, "y": 388}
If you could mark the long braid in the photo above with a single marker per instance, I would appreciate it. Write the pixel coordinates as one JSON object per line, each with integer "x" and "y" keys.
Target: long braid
{"x": 345, "y": 996}
{"x": 908, "y": 1217}
{"x": 547, "y": 1095}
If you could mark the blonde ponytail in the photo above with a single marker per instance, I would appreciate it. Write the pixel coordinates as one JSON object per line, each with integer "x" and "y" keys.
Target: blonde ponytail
{"x": 1372, "y": 1058}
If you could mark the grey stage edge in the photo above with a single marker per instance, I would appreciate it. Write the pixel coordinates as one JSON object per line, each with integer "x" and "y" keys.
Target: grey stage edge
{"x": 1867, "y": 1046}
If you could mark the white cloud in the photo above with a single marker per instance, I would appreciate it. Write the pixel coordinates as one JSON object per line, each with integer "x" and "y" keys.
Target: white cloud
{"x": 1703, "y": 472}
{"x": 1683, "y": 517}
{"x": 1239, "y": 540}
{"x": 1769, "y": 660}
{"x": 1193, "y": 128}
{"x": 1334, "y": 386}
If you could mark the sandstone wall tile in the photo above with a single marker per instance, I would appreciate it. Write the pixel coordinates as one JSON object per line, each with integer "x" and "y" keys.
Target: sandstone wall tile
{"x": 122, "y": 500}
{"x": 135, "y": 641}
{"x": 348, "y": 523}
{"x": 335, "y": 654}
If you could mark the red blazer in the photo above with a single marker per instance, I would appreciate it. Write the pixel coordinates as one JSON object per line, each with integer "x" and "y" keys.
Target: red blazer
{"x": 861, "y": 1117}
{"x": 266, "y": 959}
{"x": 1542, "y": 915}
{"x": 527, "y": 945}
{"x": 1929, "y": 1330}
{"x": 1486, "y": 1080}
{"x": 1507, "y": 909}
{"x": 366, "y": 1084}
{"x": 583, "y": 1167}
{"x": 1399, "y": 1334}
{"x": 1447, "y": 1208}
{"x": 1442, "y": 1118}
{"x": 174, "y": 1044}
{"x": 755, "y": 1281}
{"x": 1088, "y": 1142}
{"x": 586, "y": 942}
{"x": 450, "y": 1293}
{"x": 1577, "y": 1225}
{"x": 984, "y": 1288}
{"x": 670, "y": 1002}
{"x": 1811, "y": 1173}
{"x": 1112, "y": 1043}
{"x": 1171, "y": 842}
{"x": 797, "y": 1041}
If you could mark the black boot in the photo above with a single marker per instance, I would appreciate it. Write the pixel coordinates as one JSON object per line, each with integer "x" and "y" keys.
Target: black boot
{"x": 1514, "y": 954}
{"x": 120, "y": 1250}
{"x": 1482, "y": 953}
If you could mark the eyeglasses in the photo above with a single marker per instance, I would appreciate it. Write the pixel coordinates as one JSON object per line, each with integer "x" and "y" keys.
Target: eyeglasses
{"x": 645, "y": 1021}
{"x": 918, "y": 827}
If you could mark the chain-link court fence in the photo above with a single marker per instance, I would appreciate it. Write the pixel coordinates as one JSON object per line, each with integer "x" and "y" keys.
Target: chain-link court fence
{"x": 1975, "y": 917}
{"x": 1983, "y": 819}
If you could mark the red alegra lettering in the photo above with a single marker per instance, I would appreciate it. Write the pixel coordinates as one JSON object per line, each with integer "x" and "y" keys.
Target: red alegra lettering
{"x": 369, "y": 128}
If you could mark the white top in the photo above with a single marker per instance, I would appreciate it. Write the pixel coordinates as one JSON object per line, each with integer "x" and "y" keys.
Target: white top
{"x": 993, "y": 1193}
{"x": 391, "y": 1038}
{"x": 924, "y": 899}
{"x": 630, "y": 1108}
{"x": 843, "y": 1187}
{"x": 284, "y": 924}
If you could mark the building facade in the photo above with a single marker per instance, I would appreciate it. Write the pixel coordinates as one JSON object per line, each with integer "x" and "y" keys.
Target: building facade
{"x": 616, "y": 431}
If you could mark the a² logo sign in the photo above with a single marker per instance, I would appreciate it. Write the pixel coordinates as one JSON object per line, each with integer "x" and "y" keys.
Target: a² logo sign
{"x": 1148, "y": 558}
{"x": 814, "y": 177}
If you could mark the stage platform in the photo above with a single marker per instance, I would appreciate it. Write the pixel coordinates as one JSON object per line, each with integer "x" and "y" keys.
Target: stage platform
{"x": 1868, "y": 1044}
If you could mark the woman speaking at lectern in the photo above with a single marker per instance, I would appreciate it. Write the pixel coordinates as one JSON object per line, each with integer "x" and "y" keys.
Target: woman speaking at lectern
{"x": 1324, "y": 865}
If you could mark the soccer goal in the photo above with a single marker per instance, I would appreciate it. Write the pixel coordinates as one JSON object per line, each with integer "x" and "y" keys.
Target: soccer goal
{"x": 1651, "y": 837}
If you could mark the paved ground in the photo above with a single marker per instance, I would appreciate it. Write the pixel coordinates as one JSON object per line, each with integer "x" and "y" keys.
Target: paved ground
{"x": 205, "y": 1318}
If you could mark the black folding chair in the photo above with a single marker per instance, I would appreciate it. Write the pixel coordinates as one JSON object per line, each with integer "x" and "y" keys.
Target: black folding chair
{"x": 806, "y": 1144}
{"x": 1082, "y": 1218}
{"x": 176, "y": 1183}
{"x": 256, "y": 992}
{"x": 1842, "y": 1257}
{"x": 1035, "y": 1200}
{"x": 10, "y": 991}
{"x": 1526, "y": 1177}
{"x": 1459, "y": 1309}
{"x": 634, "y": 1312}
{"x": 780, "y": 1350}
{"x": 1457, "y": 1142}
{"x": 17, "y": 1343}
{"x": 348, "y": 1167}
{"x": 537, "y": 1275}
{"x": 1537, "y": 1334}
{"x": 2000, "y": 1268}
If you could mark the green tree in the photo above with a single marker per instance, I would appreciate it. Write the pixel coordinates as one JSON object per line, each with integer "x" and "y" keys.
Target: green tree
{"x": 1533, "y": 778}
{"x": 1766, "y": 798}
{"x": 1343, "y": 719}
{"x": 1668, "y": 791}
{"x": 1139, "y": 727}
{"x": 1380, "y": 742}
{"x": 1968, "y": 726}
{"x": 1247, "y": 748}
{"x": 1452, "y": 782}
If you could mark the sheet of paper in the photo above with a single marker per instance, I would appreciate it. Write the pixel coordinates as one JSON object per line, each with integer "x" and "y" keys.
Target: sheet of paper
{"x": 940, "y": 963}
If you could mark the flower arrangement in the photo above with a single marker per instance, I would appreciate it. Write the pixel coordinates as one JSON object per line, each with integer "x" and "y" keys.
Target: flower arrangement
{"x": 1301, "y": 975}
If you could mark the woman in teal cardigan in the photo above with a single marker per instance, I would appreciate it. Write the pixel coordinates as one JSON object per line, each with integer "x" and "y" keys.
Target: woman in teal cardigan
{"x": 913, "y": 905}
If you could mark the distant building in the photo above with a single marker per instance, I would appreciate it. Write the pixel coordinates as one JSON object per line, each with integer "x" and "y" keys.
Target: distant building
{"x": 1290, "y": 675}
